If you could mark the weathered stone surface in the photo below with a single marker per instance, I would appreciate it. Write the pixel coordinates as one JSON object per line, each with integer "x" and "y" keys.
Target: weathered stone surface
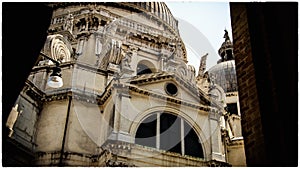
{"x": 117, "y": 64}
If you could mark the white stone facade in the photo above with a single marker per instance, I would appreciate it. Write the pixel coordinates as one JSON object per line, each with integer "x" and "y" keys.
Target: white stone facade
{"x": 117, "y": 61}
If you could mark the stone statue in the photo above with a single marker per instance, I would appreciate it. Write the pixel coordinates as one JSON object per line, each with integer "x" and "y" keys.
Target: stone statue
{"x": 12, "y": 118}
{"x": 115, "y": 56}
{"x": 226, "y": 35}
{"x": 202, "y": 66}
{"x": 68, "y": 26}
{"x": 127, "y": 59}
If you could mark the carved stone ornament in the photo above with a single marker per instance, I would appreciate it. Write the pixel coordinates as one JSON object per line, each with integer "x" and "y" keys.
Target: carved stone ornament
{"x": 69, "y": 21}
{"x": 127, "y": 59}
{"x": 58, "y": 48}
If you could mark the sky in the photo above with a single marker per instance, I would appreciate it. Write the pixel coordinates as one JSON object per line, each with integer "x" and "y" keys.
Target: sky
{"x": 201, "y": 26}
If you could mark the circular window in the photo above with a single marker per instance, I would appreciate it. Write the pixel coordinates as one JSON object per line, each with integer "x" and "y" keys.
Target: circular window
{"x": 171, "y": 89}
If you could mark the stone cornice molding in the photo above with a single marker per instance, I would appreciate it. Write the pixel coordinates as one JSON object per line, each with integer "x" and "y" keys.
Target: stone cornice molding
{"x": 236, "y": 142}
{"x": 34, "y": 92}
{"x": 51, "y": 66}
{"x": 60, "y": 94}
{"x": 76, "y": 64}
{"x": 92, "y": 97}
{"x": 170, "y": 157}
{"x": 92, "y": 68}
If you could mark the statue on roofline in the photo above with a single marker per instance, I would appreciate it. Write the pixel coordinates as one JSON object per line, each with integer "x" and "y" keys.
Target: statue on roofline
{"x": 226, "y": 36}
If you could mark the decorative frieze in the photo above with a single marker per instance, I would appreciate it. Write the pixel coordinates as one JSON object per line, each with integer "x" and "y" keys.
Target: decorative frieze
{"x": 113, "y": 163}
{"x": 215, "y": 163}
{"x": 115, "y": 147}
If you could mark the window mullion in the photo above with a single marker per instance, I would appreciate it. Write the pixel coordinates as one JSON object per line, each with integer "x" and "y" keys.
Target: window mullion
{"x": 158, "y": 130}
{"x": 182, "y": 136}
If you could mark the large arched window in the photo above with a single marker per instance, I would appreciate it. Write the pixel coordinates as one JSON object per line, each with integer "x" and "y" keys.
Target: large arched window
{"x": 169, "y": 132}
{"x": 146, "y": 134}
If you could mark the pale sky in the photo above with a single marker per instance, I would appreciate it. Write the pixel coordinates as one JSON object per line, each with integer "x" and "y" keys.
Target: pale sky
{"x": 201, "y": 26}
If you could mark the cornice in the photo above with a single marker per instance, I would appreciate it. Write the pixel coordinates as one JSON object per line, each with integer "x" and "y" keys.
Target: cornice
{"x": 100, "y": 99}
{"x": 60, "y": 94}
{"x": 236, "y": 142}
{"x": 76, "y": 64}
{"x": 92, "y": 68}
{"x": 215, "y": 163}
{"x": 33, "y": 91}
{"x": 47, "y": 67}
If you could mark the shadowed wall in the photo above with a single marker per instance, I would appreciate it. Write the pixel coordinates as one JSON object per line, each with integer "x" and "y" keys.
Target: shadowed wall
{"x": 265, "y": 47}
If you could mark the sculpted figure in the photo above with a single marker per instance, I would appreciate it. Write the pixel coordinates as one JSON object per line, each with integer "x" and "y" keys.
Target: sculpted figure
{"x": 127, "y": 59}
{"x": 68, "y": 26}
{"x": 226, "y": 36}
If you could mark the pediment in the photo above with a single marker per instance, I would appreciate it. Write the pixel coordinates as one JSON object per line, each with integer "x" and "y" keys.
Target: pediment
{"x": 166, "y": 84}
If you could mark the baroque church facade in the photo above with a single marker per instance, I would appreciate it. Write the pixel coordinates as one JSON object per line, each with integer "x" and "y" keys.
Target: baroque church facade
{"x": 129, "y": 97}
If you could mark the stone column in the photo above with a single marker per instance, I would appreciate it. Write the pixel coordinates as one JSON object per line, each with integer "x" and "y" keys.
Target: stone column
{"x": 123, "y": 116}
{"x": 118, "y": 104}
{"x": 215, "y": 136}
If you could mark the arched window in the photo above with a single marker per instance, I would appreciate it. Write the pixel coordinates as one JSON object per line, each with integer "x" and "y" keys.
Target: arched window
{"x": 166, "y": 131}
{"x": 146, "y": 133}
{"x": 143, "y": 69}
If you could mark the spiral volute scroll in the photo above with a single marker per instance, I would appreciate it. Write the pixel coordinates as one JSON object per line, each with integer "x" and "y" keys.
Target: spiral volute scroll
{"x": 58, "y": 48}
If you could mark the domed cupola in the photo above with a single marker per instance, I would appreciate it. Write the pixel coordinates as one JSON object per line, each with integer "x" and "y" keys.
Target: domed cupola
{"x": 158, "y": 10}
{"x": 224, "y": 73}
{"x": 226, "y": 49}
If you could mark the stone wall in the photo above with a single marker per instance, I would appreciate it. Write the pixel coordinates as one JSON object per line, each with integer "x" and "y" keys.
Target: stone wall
{"x": 251, "y": 118}
{"x": 236, "y": 154}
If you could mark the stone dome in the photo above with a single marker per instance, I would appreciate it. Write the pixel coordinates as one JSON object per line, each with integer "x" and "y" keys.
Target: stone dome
{"x": 224, "y": 74}
{"x": 158, "y": 9}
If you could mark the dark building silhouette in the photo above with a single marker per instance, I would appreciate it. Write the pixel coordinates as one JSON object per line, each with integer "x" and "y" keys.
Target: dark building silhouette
{"x": 265, "y": 48}
{"x": 24, "y": 33}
